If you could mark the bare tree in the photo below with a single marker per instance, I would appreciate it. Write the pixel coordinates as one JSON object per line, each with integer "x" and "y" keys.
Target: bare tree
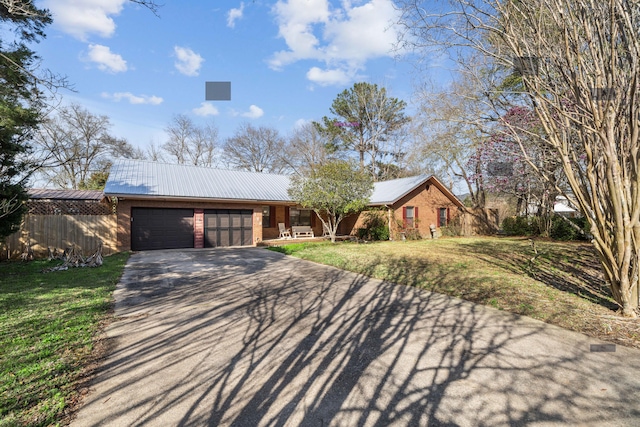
{"x": 204, "y": 142}
{"x": 154, "y": 153}
{"x": 191, "y": 144}
{"x": 256, "y": 149}
{"x": 75, "y": 143}
{"x": 449, "y": 129}
{"x": 579, "y": 62}
{"x": 307, "y": 149}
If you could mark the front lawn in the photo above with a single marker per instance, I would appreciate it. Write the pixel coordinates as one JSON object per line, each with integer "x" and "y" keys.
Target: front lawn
{"x": 563, "y": 285}
{"x": 48, "y": 323}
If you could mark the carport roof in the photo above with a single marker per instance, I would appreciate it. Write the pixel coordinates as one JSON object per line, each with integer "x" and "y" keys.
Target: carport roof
{"x": 47, "y": 193}
{"x": 144, "y": 179}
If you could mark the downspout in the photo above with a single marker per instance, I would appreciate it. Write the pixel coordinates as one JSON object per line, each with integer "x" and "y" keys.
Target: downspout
{"x": 389, "y": 215}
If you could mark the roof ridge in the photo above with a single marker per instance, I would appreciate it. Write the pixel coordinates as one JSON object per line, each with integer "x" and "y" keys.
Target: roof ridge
{"x": 200, "y": 167}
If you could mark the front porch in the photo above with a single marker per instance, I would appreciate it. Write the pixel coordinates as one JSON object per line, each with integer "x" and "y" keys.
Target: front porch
{"x": 287, "y": 241}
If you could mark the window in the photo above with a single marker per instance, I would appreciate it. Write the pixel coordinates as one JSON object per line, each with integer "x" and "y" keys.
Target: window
{"x": 300, "y": 216}
{"x": 443, "y": 217}
{"x": 266, "y": 216}
{"x": 410, "y": 216}
{"x": 408, "y": 221}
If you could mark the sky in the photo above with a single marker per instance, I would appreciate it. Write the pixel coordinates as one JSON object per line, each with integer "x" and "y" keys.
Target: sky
{"x": 286, "y": 60}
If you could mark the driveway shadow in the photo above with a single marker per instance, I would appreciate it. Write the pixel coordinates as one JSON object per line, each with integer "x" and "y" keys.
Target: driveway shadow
{"x": 247, "y": 337}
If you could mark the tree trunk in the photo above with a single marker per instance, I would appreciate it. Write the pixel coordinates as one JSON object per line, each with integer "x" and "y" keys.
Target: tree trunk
{"x": 621, "y": 271}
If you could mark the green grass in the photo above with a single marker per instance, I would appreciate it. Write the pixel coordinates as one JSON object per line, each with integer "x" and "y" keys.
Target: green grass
{"x": 48, "y": 322}
{"x": 562, "y": 286}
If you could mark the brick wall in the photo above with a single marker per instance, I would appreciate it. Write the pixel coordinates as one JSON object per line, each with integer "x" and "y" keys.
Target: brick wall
{"x": 427, "y": 198}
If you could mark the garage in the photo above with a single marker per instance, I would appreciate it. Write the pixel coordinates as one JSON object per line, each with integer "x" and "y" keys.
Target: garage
{"x": 228, "y": 227}
{"x": 161, "y": 228}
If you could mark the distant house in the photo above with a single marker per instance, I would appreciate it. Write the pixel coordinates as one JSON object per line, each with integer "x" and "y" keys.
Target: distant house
{"x": 164, "y": 206}
{"x": 563, "y": 207}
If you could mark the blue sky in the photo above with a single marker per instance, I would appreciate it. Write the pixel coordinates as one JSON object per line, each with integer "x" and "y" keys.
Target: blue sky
{"x": 286, "y": 59}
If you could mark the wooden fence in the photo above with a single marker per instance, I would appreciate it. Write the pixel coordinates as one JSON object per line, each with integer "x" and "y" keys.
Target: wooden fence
{"x": 478, "y": 222}
{"x": 62, "y": 231}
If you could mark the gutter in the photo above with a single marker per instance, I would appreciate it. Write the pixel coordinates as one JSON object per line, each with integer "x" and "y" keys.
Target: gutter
{"x": 124, "y": 196}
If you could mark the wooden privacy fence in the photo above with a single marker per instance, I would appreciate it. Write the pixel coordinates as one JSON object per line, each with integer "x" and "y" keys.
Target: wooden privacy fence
{"x": 61, "y": 232}
{"x": 475, "y": 222}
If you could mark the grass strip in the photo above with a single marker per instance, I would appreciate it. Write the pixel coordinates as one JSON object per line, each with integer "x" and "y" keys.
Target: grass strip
{"x": 48, "y": 323}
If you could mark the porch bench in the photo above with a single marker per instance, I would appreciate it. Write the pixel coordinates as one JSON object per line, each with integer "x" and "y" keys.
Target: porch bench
{"x": 301, "y": 231}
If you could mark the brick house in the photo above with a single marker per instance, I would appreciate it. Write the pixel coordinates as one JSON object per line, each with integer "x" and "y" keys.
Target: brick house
{"x": 166, "y": 206}
{"x": 412, "y": 204}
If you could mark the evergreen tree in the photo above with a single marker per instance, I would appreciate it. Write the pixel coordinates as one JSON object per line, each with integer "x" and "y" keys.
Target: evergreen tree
{"x": 21, "y": 101}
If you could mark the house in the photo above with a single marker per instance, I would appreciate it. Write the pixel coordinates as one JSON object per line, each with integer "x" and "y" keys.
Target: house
{"x": 563, "y": 207}
{"x": 165, "y": 206}
{"x": 414, "y": 204}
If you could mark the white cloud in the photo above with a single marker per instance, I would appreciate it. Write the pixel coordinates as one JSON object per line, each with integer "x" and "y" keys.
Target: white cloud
{"x": 234, "y": 15}
{"x": 296, "y": 19}
{"x": 344, "y": 39}
{"x": 82, "y": 17}
{"x": 188, "y": 62}
{"x": 366, "y": 33}
{"x": 134, "y": 99}
{"x": 254, "y": 112}
{"x": 106, "y": 60}
{"x": 300, "y": 123}
{"x": 328, "y": 77}
{"x": 206, "y": 109}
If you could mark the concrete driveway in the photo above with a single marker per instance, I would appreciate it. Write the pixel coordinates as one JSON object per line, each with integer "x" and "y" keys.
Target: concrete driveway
{"x": 249, "y": 337}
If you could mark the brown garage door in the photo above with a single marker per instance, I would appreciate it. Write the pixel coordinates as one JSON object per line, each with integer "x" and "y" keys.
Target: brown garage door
{"x": 228, "y": 227}
{"x": 154, "y": 228}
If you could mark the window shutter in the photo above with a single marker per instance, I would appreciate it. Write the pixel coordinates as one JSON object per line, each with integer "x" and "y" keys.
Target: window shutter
{"x": 448, "y": 215}
{"x": 438, "y": 217}
{"x": 287, "y": 220}
{"x": 404, "y": 217}
{"x": 415, "y": 213}
{"x": 272, "y": 216}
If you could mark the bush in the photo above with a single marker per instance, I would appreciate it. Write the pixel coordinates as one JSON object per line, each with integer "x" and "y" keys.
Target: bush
{"x": 453, "y": 229}
{"x": 521, "y": 226}
{"x": 562, "y": 230}
{"x": 412, "y": 234}
{"x": 374, "y": 227}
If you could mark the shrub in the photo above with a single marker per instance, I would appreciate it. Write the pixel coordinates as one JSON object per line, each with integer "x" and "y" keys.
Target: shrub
{"x": 412, "y": 234}
{"x": 374, "y": 227}
{"x": 454, "y": 228}
{"x": 562, "y": 230}
{"x": 521, "y": 226}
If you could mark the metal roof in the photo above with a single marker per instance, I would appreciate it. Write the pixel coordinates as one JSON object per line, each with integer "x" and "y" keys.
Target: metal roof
{"x": 151, "y": 179}
{"x": 389, "y": 192}
{"x": 144, "y": 178}
{"x": 45, "y": 193}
